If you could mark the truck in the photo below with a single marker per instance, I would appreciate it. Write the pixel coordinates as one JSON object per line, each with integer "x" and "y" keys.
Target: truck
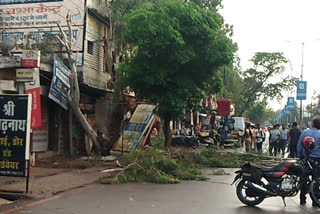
{"x": 233, "y": 125}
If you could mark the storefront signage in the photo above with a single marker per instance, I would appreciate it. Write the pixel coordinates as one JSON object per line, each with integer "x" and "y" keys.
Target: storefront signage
{"x": 15, "y": 114}
{"x": 35, "y": 19}
{"x": 8, "y": 2}
{"x": 30, "y": 59}
{"x": 24, "y": 74}
{"x": 60, "y": 83}
{"x": 34, "y": 89}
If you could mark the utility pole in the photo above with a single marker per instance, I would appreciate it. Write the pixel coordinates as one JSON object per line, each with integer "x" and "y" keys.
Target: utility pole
{"x": 301, "y": 77}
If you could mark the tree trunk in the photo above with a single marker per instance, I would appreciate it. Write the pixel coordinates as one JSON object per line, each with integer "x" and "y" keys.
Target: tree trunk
{"x": 87, "y": 127}
{"x": 167, "y": 132}
{"x": 74, "y": 95}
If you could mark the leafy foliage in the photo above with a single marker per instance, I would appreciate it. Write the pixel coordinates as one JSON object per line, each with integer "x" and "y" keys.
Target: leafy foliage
{"x": 170, "y": 166}
{"x": 157, "y": 166}
{"x": 175, "y": 49}
{"x": 265, "y": 80}
{"x": 256, "y": 113}
{"x": 212, "y": 5}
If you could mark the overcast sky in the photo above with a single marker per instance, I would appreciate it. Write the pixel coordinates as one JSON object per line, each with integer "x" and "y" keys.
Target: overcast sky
{"x": 279, "y": 25}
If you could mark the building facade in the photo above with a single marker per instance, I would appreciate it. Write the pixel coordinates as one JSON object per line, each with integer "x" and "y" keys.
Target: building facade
{"x": 33, "y": 23}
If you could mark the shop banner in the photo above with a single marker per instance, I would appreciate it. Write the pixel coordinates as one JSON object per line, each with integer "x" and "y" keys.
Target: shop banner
{"x": 33, "y": 88}
{"x": 15, "y": 115}
{"x": 60, "y": 83}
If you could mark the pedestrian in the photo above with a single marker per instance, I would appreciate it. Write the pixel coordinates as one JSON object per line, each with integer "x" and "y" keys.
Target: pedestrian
{"x": 254, "y": 138}
{"x": 274, "y": 139}
{"x": 314, "y": 155}
{"x": 223, "y": 135}
{"x": 261, "y": 136}
{"x": 248, "y": 138}
{"x": 283, "y": 139}
{"x": 294, "y": 135}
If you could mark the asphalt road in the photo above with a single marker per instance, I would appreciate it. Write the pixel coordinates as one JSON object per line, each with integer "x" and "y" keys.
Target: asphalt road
{"x": 191, "y": 197}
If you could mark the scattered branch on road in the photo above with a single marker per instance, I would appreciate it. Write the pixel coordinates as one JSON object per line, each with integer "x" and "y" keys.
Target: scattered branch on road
{"x": 170, "y": 166}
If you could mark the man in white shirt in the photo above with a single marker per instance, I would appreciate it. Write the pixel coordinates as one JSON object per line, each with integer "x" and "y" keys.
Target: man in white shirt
{"x": 274, "y": 140}
{"x": 283, "y": 138}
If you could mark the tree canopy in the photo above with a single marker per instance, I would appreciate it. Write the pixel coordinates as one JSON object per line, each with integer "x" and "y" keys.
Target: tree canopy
{"x": 175, "y": 50}
{"x": 265, "y": 80}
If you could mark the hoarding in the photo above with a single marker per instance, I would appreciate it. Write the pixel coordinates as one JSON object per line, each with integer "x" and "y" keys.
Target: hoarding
{"x": 15, "y": 114}
{"x": 32, "y": 19}
{"x": 60, "y": 83}
{"x": 137, "y": 127}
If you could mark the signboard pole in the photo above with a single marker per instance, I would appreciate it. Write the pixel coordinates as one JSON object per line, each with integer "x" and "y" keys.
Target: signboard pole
{"x": 301, "y": 80}
{"x": 28, "y": 176}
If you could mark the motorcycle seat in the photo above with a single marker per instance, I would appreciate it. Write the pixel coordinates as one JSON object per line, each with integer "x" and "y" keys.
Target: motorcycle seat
{"x": 282, "y": 167}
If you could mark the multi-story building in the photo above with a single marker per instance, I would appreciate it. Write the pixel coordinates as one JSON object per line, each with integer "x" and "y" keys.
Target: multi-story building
{"x": 29, "y": 22}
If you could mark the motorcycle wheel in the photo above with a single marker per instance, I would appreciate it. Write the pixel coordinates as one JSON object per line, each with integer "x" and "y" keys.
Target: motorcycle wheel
{"x": 315, "y": 192}
{"x": 252, "y": 199}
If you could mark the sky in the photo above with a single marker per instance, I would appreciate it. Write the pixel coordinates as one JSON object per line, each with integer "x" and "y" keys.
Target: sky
{"x": 279, "y": 26}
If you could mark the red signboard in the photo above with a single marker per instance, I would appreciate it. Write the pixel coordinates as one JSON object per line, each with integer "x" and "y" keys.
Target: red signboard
{"x": 224, "y": 107}
{"x": 36, "y": 117}
{"x": 30, "y": 59}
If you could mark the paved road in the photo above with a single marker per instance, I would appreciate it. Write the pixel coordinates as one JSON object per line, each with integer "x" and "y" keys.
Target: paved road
{"x": 214, "y": 196}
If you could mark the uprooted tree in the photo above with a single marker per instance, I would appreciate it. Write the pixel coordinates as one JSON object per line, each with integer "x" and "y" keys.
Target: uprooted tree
{"x": 73, "y": 95}
{"x": 174, "y": 48}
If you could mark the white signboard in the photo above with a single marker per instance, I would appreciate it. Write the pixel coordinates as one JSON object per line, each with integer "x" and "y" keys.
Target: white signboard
{"x": 24, "y": 74}
{"x": 33, "y": 18}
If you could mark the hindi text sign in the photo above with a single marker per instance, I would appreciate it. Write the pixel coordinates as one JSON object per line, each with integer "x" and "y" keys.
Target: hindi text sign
{"x": 15, "y": 114}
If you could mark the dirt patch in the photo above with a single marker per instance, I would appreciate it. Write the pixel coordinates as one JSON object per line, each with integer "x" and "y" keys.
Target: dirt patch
{"x": 62, "y": 162}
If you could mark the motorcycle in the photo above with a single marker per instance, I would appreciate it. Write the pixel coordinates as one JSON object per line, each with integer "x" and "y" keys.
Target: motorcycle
{"x": 186, "y": 141}
{"x": 254, "y": 183}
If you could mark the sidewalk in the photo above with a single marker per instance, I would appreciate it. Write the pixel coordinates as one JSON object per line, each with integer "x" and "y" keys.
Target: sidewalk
{"x": 46, "y": 181}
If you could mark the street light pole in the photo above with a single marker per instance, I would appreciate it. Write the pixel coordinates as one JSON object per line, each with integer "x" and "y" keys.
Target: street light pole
{"x": 301, "y": 77}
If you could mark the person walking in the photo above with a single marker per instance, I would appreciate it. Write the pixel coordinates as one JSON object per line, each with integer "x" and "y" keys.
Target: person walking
{"x": 283, "y": 139}
{"x": 274, "y": 139}
{"x": 294, "y": 135}
{"x": 260, "y": 138}
{"x": 314, "y": 155}
{"x": 248, "y": 138}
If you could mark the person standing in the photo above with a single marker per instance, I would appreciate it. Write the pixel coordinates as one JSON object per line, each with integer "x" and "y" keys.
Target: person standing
{"x": 248, "y": 138}
{"x": 223, "y": 135}
{"x": 274, "y": 140}
{"x": 283, "y": 139}
{"x": 260, "y": 138}
{"x": 294, "y": 135}
{"x": 314, "y": 155}
{"x": 254, "y": 138}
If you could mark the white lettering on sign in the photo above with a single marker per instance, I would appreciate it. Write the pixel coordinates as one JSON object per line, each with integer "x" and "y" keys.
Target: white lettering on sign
{"x": 8, "y": 108}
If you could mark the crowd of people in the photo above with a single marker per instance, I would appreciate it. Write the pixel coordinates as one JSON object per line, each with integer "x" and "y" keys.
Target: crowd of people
{"x": 280, "y": 139}
{"x": 254, "y": 136}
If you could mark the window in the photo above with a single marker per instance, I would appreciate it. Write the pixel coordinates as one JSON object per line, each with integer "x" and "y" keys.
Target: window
{"x": 90, "y": 47}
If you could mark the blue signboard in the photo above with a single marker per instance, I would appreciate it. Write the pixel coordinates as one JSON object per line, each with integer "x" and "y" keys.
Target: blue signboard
{"x": 301, "y": 90}
{"x": 290, "y": 101}
{"x": 60, "y": 83}
{"x": 8, "y": 2}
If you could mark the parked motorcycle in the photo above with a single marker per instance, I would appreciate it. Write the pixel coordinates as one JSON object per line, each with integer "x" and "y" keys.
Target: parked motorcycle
{"x": 254, "y": 183}
{"x": 186, "y": 141}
